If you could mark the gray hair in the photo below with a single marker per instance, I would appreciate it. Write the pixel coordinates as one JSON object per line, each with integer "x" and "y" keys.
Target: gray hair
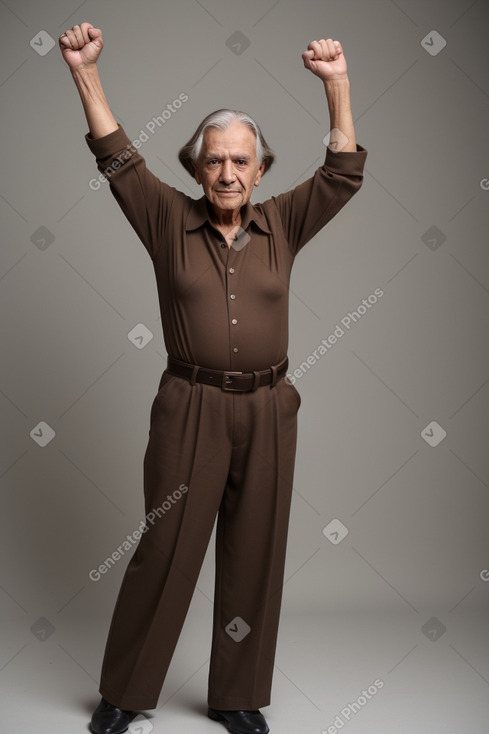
{"x": 221, "y": 120}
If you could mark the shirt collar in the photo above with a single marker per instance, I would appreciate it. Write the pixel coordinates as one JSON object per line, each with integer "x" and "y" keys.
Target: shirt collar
{"x": 199, "y": 214}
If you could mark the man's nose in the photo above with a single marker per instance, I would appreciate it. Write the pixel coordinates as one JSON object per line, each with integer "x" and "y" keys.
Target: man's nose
{"x": 227, "y": 172}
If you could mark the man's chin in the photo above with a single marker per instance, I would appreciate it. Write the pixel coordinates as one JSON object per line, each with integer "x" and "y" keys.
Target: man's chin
{"x": 229, "y": 202}
{"x": 229, "y": 195}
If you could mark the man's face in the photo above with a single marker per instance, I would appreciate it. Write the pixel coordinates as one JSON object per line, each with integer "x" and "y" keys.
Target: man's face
{"x": 227, "y": 167}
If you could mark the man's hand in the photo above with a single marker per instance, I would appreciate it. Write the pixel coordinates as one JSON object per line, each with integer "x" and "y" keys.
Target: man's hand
{"x": 81, "y": 46}
{"x": 326, "y": 60}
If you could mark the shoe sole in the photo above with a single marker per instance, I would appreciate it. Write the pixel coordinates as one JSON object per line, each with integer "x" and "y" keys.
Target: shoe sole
{"x": 122, "y": 732}
{"x": 219, "y": 717}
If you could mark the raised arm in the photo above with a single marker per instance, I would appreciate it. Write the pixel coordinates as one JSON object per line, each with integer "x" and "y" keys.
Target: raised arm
{"x": 307, "y": 208}
{"x": 325, "y": 58}
{"x": 145, "y": 200}
{"x": 81, "y": 46}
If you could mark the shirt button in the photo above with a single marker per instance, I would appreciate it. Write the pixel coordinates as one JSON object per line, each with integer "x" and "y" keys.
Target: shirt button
{"x": 234, "y": 321}
{"x": 232, "y": 296}
{"x": 223, "y": 244}
{"x": 235, "y": 350}
{"x": 231, "y": 270}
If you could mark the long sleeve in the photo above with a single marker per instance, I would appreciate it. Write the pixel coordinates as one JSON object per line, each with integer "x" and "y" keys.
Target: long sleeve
{"x": 145, "y": 200}
{"x": 308, "y": 207}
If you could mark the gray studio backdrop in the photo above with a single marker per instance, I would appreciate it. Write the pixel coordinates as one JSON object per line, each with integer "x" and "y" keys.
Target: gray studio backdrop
{"x": 391, "y": 492}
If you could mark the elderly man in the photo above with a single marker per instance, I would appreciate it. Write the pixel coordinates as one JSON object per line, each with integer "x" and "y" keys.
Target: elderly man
{"x": 222, "y": 435}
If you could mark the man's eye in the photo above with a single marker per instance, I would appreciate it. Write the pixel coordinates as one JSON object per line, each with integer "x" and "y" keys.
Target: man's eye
{"x": 213, "y": 162}
{"x": 241, "y": 162}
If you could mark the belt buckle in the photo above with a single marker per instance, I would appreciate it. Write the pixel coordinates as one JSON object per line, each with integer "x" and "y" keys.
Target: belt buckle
{"x": 226, "y": 381}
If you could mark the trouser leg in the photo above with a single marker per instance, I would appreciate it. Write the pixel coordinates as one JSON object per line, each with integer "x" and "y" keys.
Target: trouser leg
{"x": 251, "y": 547}
{"x": 189, "y": 444}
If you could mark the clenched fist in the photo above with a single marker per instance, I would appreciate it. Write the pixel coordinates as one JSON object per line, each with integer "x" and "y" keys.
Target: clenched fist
{"x": 81, "y": 46}
{"x": 325, "y": 59}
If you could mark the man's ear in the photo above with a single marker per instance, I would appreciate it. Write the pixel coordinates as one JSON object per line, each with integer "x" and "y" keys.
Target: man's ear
{"x": 260, "y": 173}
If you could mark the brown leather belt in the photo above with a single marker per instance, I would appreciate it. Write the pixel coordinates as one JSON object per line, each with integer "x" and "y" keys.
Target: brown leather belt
{"x": 232, "y": 381}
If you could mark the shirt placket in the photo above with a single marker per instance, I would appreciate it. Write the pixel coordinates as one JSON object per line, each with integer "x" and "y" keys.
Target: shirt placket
{"x": 234, "y": 305}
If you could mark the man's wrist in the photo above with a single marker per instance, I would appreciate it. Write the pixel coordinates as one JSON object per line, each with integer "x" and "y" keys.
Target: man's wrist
{"x": 337, "y": 92}
{"x": 340, "y": 115}
{"x": 340, "y": 84}
{"x": 88, "y": 70}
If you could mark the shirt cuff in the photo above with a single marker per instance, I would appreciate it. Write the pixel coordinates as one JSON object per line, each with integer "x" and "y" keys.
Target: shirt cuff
{"x": 107, "y": 145}
{"x": 348, "y": 163}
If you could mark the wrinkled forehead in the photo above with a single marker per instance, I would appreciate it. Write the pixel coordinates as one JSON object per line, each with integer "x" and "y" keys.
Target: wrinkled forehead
{"x": 235, "y": 139}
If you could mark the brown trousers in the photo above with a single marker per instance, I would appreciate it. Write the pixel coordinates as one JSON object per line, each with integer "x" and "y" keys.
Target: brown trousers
{"x": 235, "y": 452}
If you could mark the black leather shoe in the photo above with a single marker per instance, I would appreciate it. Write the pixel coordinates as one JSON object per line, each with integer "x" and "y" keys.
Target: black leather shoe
{"x": 108, "y": 719}
{"x": 241, "y": 722}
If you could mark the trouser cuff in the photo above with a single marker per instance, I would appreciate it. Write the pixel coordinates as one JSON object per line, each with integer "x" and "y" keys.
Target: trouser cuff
{"x": 238, "y": 704}
{"x": 128, "y": 702}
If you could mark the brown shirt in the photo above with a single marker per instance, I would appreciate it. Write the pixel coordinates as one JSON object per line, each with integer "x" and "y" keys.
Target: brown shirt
{"x": 224, "y": 308}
